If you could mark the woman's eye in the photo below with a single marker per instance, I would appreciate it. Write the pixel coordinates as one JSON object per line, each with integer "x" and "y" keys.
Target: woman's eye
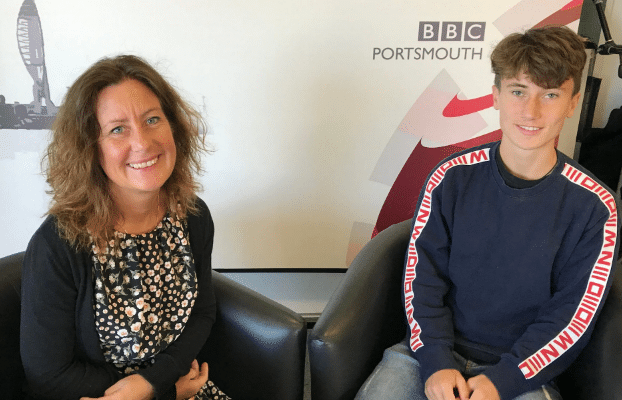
{"x": 118, "y": 129}
{"x": 153, "y": 120}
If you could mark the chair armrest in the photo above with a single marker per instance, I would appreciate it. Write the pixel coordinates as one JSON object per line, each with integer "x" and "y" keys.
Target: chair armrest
{"x": 256, "y": 349}
{"x": 11, "y": 370}
{"x": 364, "y": 316}
{"x": 597, "y": 372}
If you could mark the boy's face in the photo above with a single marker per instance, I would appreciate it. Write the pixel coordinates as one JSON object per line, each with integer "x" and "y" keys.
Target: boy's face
{"x": 532, "y": 117}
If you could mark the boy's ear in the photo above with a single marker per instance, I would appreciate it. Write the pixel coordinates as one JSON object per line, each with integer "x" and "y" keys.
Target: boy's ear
{"x": 495, "y": 97}
{"x": 573, "y": 104}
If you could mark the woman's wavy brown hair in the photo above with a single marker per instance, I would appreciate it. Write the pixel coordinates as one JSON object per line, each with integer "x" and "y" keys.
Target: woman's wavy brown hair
{"x": 549, "y": 56}
{"x": 81, "y": 201}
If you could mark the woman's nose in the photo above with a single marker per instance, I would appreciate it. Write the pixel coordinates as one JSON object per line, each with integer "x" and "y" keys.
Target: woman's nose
{"x": 139, "y": 138}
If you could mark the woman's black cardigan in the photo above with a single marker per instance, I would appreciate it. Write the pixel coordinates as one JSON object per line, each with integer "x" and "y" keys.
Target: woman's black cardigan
{"x": 60, "y": 347}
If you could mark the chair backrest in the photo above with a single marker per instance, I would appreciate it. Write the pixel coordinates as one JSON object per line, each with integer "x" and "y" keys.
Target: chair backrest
{"x": 11, "y": 370}
{"x": 256, "y": 349}
{"x": 255, "y": 338}
{"x": 344, "y": 349}
{"x": 597, "y": 372}
{"x": 364, "y": 316}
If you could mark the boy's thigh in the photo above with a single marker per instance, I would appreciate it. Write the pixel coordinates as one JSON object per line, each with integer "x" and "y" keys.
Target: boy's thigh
{"x": 546, "y": 392}
{"x": 396, "y": 377}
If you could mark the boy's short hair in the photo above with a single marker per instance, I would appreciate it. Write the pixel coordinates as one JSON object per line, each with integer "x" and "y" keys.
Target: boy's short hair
{"x": 549, "y": 56}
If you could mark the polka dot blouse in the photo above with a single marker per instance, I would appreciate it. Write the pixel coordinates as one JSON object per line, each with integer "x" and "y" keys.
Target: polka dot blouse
{"x": 145, "y": 289}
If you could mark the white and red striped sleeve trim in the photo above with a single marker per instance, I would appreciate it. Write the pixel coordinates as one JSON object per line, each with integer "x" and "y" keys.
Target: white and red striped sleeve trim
{"x": 422, "y": 216}
{"x": 595, "y": 289}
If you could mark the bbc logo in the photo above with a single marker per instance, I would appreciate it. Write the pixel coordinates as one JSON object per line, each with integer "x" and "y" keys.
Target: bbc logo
{"x": 433, "y": 31}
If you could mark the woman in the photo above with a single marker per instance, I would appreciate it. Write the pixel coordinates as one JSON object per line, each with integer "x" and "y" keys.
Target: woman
{"x": 116, "y": 289}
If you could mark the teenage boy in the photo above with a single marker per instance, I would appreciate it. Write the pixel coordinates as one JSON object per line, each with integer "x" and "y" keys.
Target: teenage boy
{"x": 512, "y": 249}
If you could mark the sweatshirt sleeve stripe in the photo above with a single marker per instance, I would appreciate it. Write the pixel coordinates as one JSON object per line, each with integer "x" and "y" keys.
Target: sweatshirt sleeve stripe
{"x": 421, "y": 218}
{"x": 595, "y": 290}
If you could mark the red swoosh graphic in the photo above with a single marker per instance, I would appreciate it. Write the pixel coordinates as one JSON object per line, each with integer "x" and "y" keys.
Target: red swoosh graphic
{"x": 458, "y": 108}
{"x": 487, "y": 138}
{"x": 401, "y": 200}
{"x": 562, "y": 17}
{"x": 573, "y": 3}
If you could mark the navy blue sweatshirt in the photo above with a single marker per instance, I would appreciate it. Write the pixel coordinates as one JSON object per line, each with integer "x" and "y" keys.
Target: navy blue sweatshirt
{"x": 510, "y": 277}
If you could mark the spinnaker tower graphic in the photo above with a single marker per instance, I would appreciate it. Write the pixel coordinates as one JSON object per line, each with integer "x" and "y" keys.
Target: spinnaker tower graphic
{"x": 40, "y": 112}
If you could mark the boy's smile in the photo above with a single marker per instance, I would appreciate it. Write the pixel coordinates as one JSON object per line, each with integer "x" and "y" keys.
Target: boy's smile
{"x": 531, "y": 116}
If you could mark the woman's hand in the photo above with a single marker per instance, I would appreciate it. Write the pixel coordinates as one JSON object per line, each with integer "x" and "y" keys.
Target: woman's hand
{"x": 132, "y": 387}
{"x": 188, "y": 385}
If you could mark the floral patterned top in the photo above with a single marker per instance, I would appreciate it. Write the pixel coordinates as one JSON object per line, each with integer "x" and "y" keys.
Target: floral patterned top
{"x": 145, "y": 288}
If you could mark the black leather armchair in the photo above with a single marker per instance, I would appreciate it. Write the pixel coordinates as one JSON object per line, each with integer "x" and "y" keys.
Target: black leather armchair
{"x": 365, "y": 315}
{"x": 256, "y": 349}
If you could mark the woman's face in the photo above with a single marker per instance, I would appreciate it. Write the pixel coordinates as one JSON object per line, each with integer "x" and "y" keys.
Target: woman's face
{"x": 136, "y": 146}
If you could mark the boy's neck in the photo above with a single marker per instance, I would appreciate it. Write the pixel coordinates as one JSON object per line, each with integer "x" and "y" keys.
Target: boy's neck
{"x": 528, "y": 164}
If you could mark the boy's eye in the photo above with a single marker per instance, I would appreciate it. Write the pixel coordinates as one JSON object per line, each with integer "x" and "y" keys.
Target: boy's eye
{"x": 552, "y": 95}
{"x": 517, "y": 92}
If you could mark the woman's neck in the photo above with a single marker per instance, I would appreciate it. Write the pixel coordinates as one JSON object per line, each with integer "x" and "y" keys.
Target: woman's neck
{"x": 139, "y": 214}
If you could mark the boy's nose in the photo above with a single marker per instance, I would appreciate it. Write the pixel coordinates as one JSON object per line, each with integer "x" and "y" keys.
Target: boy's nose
{"x": 532, "y": 108}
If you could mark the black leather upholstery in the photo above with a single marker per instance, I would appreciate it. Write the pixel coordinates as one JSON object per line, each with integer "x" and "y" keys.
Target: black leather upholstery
{"x": 256, "y": 349}
{"x": 597, "y": 372}
{"x": 365, "y": 315}
{"x": 11, "y": 372}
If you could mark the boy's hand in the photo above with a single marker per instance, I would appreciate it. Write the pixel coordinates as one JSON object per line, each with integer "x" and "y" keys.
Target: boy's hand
{"x": 482, "y": 388}
{"x": 441, "y": 384}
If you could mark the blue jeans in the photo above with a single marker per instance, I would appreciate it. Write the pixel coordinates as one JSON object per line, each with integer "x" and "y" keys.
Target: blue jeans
{"x": 397, "y": 377}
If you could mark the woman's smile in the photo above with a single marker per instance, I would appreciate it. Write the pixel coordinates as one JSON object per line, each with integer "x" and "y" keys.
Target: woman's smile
{"x": 136, "y": 144}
